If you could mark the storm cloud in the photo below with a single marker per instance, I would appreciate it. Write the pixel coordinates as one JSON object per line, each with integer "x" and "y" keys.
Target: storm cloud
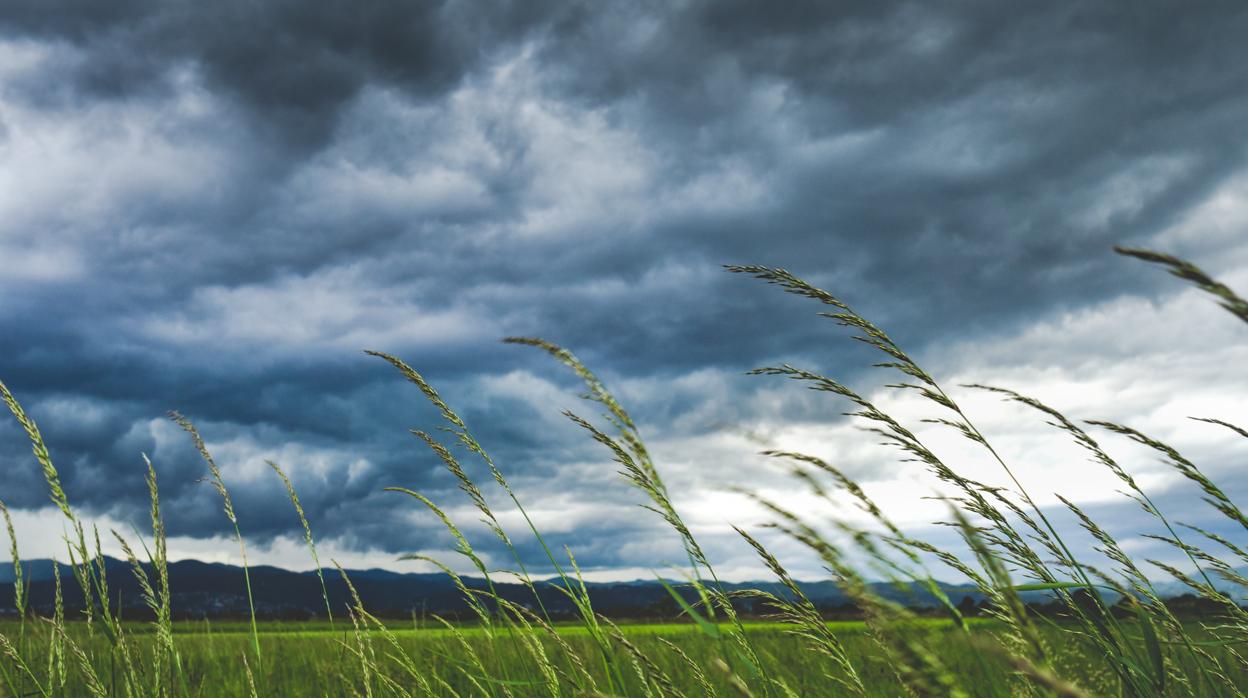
{"x": 213, "y": 207}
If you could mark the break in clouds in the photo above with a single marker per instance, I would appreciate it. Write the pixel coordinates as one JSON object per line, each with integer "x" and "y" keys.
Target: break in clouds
{"x": 214, "y": 207}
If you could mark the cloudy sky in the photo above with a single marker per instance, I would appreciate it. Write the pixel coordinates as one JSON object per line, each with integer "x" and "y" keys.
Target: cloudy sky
{"x": 214, "y": 207}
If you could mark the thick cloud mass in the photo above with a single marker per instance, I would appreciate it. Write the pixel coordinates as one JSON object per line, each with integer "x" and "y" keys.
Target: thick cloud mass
{"x": 213, "y": 207}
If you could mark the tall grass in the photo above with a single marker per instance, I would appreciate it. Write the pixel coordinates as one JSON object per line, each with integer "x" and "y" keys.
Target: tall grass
{"x": 1117, "y": 635}
{"x": 227, "y": 504}
{"x": 307, "y": 536}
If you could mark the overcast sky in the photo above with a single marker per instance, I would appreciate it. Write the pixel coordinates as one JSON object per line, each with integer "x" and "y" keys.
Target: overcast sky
{"x": 214, "y": 207}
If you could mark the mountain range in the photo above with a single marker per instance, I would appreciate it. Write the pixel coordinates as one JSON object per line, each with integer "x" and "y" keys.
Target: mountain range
{"x": 208, "y": 589}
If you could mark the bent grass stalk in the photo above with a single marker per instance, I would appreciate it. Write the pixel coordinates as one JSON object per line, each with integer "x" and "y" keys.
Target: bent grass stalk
{"x": 639, "y": 470}
{"x": 218, "y": 484}
{"x": 465, "y": 437}
{"x": 82, "y": 570}
{"x": 1098, "y": 619}
{"x": 19, "y": 587}
{"x": 307, "y": 536}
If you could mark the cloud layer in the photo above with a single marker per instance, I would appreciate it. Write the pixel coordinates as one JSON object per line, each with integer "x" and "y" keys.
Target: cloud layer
{"x": 214, "y": 207}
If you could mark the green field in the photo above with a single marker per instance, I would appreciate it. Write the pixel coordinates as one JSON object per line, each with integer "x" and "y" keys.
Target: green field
{"x": 313, "y": 659}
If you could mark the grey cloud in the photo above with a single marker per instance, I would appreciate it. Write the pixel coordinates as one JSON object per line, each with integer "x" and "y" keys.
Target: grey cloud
{"x": 555, "y": 169}
{"x": 294, "y": 64}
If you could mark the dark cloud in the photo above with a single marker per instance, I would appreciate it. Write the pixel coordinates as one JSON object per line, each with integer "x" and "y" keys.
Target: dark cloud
{"x": 234, "y": 198}
{"x": 294, "y": 65}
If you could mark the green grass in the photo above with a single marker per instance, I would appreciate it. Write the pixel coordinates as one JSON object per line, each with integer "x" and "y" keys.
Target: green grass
{"x": 1134, "y": 646}
{"x": 310, "y": 657}
{"x": 269, "y": 628}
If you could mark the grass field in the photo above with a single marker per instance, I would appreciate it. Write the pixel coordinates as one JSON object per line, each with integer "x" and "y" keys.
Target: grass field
{"x": 310, "y": 658}
{"x": 1117, "y": 636}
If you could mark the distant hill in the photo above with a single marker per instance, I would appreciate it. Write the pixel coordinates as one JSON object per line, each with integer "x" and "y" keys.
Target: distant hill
{"x": 203, "y": 589}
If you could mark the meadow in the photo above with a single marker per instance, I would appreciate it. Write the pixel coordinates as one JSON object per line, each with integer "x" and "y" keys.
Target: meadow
{"x": 310, "y": 657}
{"x": 1114, "y": 635}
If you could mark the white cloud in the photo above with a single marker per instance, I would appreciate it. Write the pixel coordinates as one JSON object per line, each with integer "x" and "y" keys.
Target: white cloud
{"x": 336, "y": 311}
{"x": 41, "y": 535}
{"x": 1214, "y": 230}
{"x": 101, "y": 170}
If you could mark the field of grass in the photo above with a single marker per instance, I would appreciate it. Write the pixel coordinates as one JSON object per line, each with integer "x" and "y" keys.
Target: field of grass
{"x": 312, "y": 658}
{"x": 1116, "y": 636}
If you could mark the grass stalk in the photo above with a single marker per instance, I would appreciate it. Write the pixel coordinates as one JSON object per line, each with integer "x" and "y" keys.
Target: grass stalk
{"x": 218, "y": 484}
{"x": 307, "y": 536}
